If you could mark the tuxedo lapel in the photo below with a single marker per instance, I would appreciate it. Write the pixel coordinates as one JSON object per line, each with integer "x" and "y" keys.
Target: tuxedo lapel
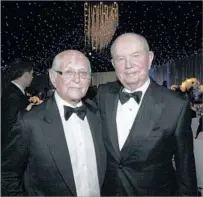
{"x": 111, "y": 109}
{"x": 55, "y": 137}
{"x": 95, "y": 123}
{"x": 150, "y": 110}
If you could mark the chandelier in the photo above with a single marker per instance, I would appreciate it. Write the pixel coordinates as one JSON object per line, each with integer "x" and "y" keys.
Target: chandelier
{"x": 101, "y": 21}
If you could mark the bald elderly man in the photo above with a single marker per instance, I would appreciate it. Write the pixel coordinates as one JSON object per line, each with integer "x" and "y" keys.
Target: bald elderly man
{"x": 56, "y": 149}
{"x": 144, "y": 126}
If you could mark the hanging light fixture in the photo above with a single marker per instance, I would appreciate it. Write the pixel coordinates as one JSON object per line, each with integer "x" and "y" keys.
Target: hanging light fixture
{"x": 101, "y": 21}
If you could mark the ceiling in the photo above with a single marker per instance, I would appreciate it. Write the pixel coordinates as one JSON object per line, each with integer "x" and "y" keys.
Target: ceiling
{"x": 39, "y": 30}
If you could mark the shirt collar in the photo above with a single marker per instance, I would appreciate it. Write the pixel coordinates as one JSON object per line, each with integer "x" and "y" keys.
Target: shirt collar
{"x": 21, "y": 88}
{"x": 62, "y": 102}
{"x": 142, "y": 88}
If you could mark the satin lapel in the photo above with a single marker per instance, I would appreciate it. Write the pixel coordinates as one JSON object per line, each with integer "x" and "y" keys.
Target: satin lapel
{"x": 55, "y": 138}
{"x": 148, "y": 114}
{"x": 111, "y": 109}
{"x": 95, "y": 124}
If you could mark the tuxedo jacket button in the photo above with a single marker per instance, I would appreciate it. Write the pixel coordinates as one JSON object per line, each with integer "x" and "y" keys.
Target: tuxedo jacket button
{"x": 120, "y": 166}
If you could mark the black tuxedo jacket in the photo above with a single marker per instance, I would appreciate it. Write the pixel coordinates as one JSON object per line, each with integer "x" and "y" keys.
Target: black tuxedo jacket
{"x": 36, "y": 162}
{"x": 160, "y": 130}
{"x": 12, "y": 102}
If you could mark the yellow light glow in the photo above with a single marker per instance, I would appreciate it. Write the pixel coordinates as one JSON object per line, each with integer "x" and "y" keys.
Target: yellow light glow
{"x": 101, "y": 22}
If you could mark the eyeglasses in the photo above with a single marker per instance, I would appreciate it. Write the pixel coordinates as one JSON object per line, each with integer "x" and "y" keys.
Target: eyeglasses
{"x": 72, "y": 73}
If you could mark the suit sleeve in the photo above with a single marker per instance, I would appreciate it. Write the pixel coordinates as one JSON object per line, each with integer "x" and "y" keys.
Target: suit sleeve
{"x": 184, "y": 157}
{"x": 14, "y": 159}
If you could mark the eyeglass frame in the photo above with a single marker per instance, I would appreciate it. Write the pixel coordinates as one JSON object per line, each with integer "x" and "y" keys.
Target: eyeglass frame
{"x": 90, "y": 74}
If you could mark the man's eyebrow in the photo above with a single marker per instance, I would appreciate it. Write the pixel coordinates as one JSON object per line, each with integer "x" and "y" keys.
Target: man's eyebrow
{"x": 118, "y": 55}
{"x": 135, "y": 52}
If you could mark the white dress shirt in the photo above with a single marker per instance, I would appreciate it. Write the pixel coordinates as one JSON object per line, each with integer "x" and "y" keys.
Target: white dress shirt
{"x": 21, "y": 89}
{"x": 127, "y": 113}
{"x": 82, "y": 152}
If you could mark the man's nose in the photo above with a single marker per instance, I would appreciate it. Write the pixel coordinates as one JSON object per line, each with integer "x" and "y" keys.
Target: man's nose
{"x": 128, "y": 64}
{"x": 77, "y": 77}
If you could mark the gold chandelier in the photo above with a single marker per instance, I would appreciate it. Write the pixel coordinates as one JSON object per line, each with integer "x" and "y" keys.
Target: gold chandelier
{"x": 101, "y": 21}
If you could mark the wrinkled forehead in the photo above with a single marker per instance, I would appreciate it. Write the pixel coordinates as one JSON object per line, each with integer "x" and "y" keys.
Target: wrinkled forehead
{"x": 130, "y": 44}
{"x": 73, "y": 60}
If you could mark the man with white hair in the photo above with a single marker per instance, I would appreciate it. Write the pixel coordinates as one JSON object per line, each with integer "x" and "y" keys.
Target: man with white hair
{"x": 144, "y": 126}
{"x": 56, "y": 149}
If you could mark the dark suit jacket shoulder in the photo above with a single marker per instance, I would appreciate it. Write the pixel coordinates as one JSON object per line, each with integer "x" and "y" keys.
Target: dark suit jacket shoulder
{"x": 166, "y": 95}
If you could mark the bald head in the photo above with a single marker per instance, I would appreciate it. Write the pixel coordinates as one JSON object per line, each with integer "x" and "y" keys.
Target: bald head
{"x": 130, "y": 37}
{"x": 68, "y": 57}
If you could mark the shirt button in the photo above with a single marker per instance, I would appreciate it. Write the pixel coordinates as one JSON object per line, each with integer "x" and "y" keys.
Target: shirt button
{"x": 130, "y": 109}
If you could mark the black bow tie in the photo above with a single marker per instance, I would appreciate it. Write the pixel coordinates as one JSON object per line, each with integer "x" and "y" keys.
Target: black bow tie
{"x": 124, "y": 96}
{"x": 80, "y": 111}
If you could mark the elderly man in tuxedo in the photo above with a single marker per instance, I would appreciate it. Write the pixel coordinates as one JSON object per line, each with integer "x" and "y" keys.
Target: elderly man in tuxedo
{"x": 56, "y": 149}
{"x": 144, "y": 126}
{"x": 14, "y": 99}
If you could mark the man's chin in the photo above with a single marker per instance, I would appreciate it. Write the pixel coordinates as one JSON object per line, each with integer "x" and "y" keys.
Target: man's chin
{"x": 132, "y": 81}
{"x": 76, "y": 97}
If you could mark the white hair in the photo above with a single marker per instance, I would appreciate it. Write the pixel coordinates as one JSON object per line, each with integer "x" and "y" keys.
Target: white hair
{"x": 142, "y": 39}
{"x": 56, "y": 63}
{"x": 57, "y": 59}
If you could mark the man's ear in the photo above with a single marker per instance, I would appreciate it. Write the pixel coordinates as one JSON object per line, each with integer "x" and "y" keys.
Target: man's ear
{"x": 112, "y": 61}
{"x": 151, "y": 57}
{"x": 52, "y": 76}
